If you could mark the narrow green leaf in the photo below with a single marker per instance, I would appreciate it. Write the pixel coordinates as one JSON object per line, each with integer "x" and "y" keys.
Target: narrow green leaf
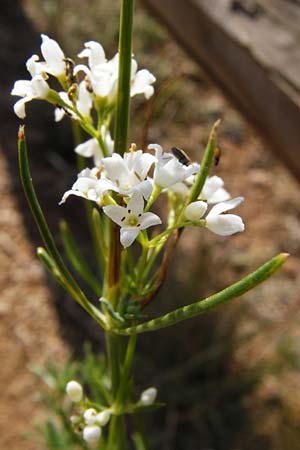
{"x": 76, "y": 259}
{"x": 47, "y": 237}
{"x": 233, "y": 291}
{"x": 99, "y": 233}
{"x": 50, "y": 265}
{"x": 205, "y": 165}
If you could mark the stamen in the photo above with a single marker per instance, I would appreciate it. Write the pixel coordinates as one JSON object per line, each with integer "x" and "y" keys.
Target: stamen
{"x": 132, "y": 147}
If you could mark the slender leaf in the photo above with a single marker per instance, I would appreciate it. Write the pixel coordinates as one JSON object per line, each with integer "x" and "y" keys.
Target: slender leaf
{"x": 77, "y": 260}
{"x": 205, "y": 165}
{"x": 46, "y": 235}
{"x": 197, "y": 308}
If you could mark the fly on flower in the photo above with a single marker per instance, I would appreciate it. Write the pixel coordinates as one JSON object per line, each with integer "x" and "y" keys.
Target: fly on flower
{"x": 182, "y": 157}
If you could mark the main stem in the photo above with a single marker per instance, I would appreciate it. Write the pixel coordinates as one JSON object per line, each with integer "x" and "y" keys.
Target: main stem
{"x": 117, "y": 430}
{"x": 124, "y": 77}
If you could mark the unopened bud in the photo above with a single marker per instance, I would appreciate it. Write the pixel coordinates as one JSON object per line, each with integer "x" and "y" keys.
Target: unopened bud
{"x": 148, "y": 396}
{"x": 195, "y": 210}
{"x": 91, "y": 435}
{"x": 90, "y": 416}
{"x": 103, "y": 418}
{"x": 74, "y": 391}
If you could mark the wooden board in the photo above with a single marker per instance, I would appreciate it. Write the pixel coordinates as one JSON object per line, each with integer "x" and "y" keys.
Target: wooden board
{"x": 251, "y": 49}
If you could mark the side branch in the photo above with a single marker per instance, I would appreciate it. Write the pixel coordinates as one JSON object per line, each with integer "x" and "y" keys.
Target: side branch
{"x": 197, "y": 308}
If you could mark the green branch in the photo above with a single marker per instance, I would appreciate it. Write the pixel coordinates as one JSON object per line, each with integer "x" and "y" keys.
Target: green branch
{"x": 195, "y": 309}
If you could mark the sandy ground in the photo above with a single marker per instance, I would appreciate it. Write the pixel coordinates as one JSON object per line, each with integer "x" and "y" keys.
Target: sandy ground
{"x": 28, "y": 329}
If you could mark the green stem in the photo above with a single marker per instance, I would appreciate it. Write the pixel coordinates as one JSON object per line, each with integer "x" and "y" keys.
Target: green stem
{"x": 126, "y": 372}
{"x": 123, "y": 98}
{"x": 98, "y": 251}
{"x": 117, "y": 430}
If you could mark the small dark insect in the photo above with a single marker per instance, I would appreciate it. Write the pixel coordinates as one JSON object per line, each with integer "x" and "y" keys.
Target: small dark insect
{"x": 182, "y": 157}
{"x": 217, "y": 155}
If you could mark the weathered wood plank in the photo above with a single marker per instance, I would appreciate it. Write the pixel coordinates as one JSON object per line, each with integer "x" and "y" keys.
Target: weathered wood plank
{"x": 252, "y": 55}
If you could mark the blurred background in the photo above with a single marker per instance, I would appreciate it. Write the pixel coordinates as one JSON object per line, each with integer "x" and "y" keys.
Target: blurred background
{"x": 231, "y": 378}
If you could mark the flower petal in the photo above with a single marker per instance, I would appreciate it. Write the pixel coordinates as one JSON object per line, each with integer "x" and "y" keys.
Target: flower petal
{"x": 145, "y": 188}
{"x": 88, "y": 148}
{"x": 141, "y": 83}
{"x": 84, "y": 102}
{"x": 94, "y": 52}
{"x": 136, "y": 204}
{"x": 149, "y": 219}
{"x": 19, "y": 107}
{"x": 72, "y": 192}
{"x": 54, "y": 56}
{"x": 128, "y": 236}
{"x": 221, "y": 195}
{"x": 225, "y": 206}
{"x": 116, "y": 213}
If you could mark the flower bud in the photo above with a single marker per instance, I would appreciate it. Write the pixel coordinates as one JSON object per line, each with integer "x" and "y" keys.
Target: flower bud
{"x": 148, "y": 396}
{"x": 90, "y": 416}
{"x": 103, "y": 418}
{"x": 195, "y": 210}
{"x": 74, "y": 391}
{"x": 91, "y": 434}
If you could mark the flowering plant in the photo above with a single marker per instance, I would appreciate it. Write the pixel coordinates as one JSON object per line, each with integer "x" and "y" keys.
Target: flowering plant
{"x": 120, "y": 189}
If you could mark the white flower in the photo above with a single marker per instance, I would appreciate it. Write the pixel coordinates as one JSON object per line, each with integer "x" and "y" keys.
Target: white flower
{"x": 128, "y": 174}
{"x": 91, "y": 147}
{"x": 84, "y": 103}
{"x": 94, "y": 52}
{"x": 37, "y": 88}
{"x": 148, "y": 396}
{"x": 90, "y": 416}
{"x": 213, "y": 191}
{"x": 103, "y": 418}
{"x": 168, "y": 170}
{"x": 54, "y": 63}
{"x": 103, "y": 74}
{"x": 131, "y": 219}
{"x": 86, "y": 186}
{"x": 225, "y": 224}
{"x": 141, "y": 83}
{"x": 195, "y": 210}
{"x": 34, "y": 66}
{"x": 91, "y": 435}
{"x": 74, "y": 391}
{"x": 54, "y": 57}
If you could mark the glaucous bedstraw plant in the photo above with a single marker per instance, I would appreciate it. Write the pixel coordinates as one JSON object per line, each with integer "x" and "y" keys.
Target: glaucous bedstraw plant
{"x": 120, "y": 188}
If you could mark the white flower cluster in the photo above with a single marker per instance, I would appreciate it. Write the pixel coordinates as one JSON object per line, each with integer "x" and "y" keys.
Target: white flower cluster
{"x": 98, "y": 86}
{"x": 89, "y": 421}
{"x": 129, "y": 176}
{"x": 124, "y": 186}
